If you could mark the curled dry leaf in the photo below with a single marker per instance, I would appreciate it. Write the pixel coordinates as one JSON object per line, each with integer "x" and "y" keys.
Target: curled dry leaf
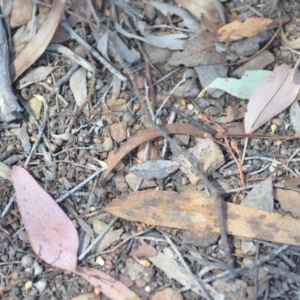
{"x": 170, "y": 41}
{"x": 51, "y": 233}
{"x": 271, "y": 97}
{"x": 198, "y": 212}
{"x": 211, "y": 9}
{"x": 168, "y": 9}
{"x": 34, "y": 75}
{"x": 39, "y": 42}
{"x": 250, "y": 27}
{"x": 294, "y": 44}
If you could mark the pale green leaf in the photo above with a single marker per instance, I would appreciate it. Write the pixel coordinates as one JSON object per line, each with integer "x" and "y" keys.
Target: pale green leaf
{"x": 241, "y": 88}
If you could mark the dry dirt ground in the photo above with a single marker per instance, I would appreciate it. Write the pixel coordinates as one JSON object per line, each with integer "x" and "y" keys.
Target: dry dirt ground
{"x": 79, "y": 142}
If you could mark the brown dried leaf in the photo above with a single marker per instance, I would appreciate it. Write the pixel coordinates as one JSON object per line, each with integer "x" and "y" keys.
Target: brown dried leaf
{"x": 197, "y": 212}
{"x": 289, "y": 201}
{"x": 39, "y": 42}
{"x": 202, "y": 7}
{"x": 294, "y": 44}
{"x": 249, "y": 28}
{"x": 292, "y": 182}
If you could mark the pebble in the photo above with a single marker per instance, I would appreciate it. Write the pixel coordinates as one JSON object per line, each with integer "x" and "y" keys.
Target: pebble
{"x": 119, "y": 131}
{"x": 26, "y": 261}
{"x": 277, "y": 121}
{"x": 190, "y": 107}
{"x": 167, "y": 294}
{"x": 108, "y": 144}
{"x": 38, "y": 270}
{"x": 258, "y": 62}
{"x": 40, "y": 286}
{"x": 120, "y": 183}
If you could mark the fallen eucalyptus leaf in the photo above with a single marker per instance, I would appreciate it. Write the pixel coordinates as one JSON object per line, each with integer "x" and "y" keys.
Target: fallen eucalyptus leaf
{"x": 273, "y": 95}
{"x": 198, "y": 212}
{"x": 241, "y": 88}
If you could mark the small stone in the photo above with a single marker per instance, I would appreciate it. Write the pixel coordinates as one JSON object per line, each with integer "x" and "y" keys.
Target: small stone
{"x": 133, "y": 180}
{"x": 169, "y": 253}
{"x": 119, "y": 131}
{"x": 98, "y": 226}
{"x": 235, "y": 290}
{"x": 115, "y": 104}
{"x": 157, "y": 55}
{"x": 277, "y": 121}
{"x": 167, "y": 294}
{"x": 140, "y": 82}
{"x": 202, "y": 239}
{"x": 23, "y": 236}
{"x": 208, "y": 153}
{"x": 135, "y": 271}
{"x": 248, "y": 247}
{"x": 108, "y": 144}
{"x": 258, "y": 62}
{"x": 141, "y": 283}
{"x": 190, "y": 107}
{"x": 150, "y": 12}
{"x": 187, "y": 90}
{"x": 120, "y": 183}
{"x": 26, "y": 261}
{"x": 41, "y": 286}
{"x": 38, "y": 270}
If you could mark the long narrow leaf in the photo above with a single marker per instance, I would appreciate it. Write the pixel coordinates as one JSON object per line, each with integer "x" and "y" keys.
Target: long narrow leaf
{"x": 271, "y": 97}
{"x": 51, "y": 233}
{"x": 39, "y": 42}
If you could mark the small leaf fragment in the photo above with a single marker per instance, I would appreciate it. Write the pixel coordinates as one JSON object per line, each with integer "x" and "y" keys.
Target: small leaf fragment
{"x": 156, "y": 168}
{"x": 241, "y": 88}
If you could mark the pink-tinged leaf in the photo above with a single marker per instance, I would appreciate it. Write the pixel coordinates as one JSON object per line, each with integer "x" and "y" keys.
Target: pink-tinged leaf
{"x": 51, "y": 233}
{"x": 271, "y": 97}
{"x": 114, "y": 289}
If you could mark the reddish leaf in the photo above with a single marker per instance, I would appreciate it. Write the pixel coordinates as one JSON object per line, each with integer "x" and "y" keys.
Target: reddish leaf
{"x": 115, "y": 290}
{"x": 51, "y": 233}
{"x": 271, "y": 97}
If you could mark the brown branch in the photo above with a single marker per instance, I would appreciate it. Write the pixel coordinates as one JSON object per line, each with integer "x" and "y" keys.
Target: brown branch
{"x": 9, "y": 107}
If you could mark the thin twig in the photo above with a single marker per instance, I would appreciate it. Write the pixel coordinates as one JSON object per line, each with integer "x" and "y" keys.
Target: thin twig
{"x": 98, "y": 239}
{"x": 70, "y": 192}
{"x": 198, "y": 282}
{"x": 81, "y": 41}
